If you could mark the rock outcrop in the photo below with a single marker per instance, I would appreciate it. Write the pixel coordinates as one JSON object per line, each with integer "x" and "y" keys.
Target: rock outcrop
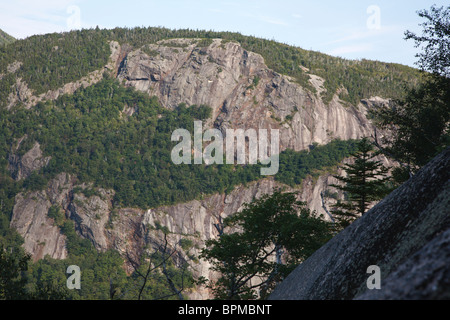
{"x": 127, "y": 230}
{"x": 32, "y": 160}
{"x": 406, "y": 235}
{"x": 91, "y": 214}
{"x": 41, "y": 236}
{"x": 30, "y": 218}
{"x": 131, "y": 230}
{"x": 242, "y": 91}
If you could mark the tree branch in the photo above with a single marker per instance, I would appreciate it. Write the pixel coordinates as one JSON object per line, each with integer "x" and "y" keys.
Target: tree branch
{"x": 389, "y": 154}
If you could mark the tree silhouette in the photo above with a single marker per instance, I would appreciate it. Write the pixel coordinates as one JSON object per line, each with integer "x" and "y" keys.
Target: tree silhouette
{"x": 364, "y": 183}
{"x": 260, "y": 245}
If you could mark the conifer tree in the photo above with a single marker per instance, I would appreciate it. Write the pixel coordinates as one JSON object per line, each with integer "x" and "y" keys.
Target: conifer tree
{"x": 365, "y": 182}
{"x": 261, "y": 244}
{"x": 419, "y": 123}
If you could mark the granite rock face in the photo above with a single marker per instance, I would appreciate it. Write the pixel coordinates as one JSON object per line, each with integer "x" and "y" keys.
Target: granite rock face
{"x": 130, "y": 231}
{"x": 91, "y": 215}
{"x": 32, "y": 160}
{"x": 243, "y": 92}
{"x": 406, "y": 235}
{"x": 425, "y": 275}
{"x": 30, "y": 218}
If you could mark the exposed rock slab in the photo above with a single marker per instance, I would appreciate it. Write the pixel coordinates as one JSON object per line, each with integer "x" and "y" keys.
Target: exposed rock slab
{"x": 425, "y": 275}
{"x": 30, "y": 218}
{"x": 404, "y": 234}
{"x": 32, "y": 160}
{"x": 242, "y": 92}
{"x": 91, "y": 215}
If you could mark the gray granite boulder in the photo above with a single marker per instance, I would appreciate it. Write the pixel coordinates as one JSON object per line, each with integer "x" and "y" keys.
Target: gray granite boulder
{"x": 407, "y": 235}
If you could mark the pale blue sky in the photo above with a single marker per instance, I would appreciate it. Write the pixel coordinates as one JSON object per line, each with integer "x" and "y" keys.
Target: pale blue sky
{"x": 351, "y": 29}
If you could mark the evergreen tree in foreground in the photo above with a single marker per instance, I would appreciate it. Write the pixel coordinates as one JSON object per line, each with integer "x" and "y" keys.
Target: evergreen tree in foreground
{"x": 419, "y": 124}
{"x": 365, "y": 182}
{"x": 260, "y": 245}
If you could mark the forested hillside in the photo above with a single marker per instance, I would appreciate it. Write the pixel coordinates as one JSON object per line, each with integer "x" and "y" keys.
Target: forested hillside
{"x": 86, "y": 134}
{"x": 5, "y": 38}
{"x": 92, "y": 136}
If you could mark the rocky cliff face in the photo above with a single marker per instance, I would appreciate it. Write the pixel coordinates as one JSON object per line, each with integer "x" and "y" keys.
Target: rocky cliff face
{"x": 130, "y": 231}
{"x": 30, "y": 218}
{"x": 32, "y": 160}
{"x": 127, "y": 230}
{"x": 242, "y": 92}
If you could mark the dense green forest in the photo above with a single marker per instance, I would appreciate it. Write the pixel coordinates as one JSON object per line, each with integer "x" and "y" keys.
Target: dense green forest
{"x": 51, "y": 60}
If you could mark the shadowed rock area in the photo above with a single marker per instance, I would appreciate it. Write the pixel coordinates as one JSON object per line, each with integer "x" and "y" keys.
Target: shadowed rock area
{"x": 407, "y": 235}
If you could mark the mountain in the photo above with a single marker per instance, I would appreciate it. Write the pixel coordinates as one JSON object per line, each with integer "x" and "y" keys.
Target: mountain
{"x": 87, "y": 118}
{"x": 5, "y": 38}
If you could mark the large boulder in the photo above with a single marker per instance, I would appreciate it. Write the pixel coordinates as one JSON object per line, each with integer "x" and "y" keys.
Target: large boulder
{"x": 407, "y": 235}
